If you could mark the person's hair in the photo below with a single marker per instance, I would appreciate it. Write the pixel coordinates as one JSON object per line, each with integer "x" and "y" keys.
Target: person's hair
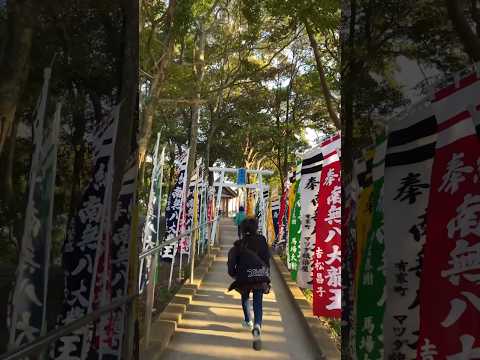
{"x": 249, "y": 233}
{"x": 241, "y": 208}
{"x": 249, "y": 227}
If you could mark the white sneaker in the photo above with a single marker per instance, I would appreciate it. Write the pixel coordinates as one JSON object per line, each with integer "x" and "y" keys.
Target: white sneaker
{"x": 256, "y": 331}
{"x": 247, "y": 325}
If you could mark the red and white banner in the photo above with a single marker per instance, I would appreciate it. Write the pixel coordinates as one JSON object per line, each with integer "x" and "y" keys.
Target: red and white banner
{"x": 450, "y": 321}
{"x": 282, "y": 217}
{"x": 327, "y": 278}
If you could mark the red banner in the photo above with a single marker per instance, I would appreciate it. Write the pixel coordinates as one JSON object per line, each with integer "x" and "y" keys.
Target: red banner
{"x": 282, "y": 224}
{"x": 450, "y": 320}
{"x": 327, "y": 279}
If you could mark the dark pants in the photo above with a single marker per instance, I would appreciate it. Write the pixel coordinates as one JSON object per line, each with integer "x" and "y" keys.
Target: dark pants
{"x": 257, "y": 305}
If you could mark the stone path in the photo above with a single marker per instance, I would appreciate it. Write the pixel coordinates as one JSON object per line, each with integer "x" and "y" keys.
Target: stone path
{"x": 211, "y": 327}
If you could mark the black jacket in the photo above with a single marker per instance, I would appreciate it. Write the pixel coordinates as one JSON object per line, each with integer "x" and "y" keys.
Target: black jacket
{"x": 249, "y": 262}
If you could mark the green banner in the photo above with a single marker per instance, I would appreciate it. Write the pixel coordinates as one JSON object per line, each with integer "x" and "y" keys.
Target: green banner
{"x": 295, "y": 232}
{"x": 371, "y": 284}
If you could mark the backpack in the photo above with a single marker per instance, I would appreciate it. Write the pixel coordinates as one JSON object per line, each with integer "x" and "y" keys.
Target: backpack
{"x": 251, "y": 267}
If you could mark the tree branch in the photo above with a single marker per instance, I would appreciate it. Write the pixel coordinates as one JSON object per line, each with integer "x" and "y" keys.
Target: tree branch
{"x": 470, "y": 41}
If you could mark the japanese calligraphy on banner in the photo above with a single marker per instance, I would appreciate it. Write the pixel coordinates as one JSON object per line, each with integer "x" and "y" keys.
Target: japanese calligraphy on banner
{"x": 185, "y": 242}
{"x": 295, "y": 228}
{"x": 371, "y": 290}
{"x": 203, "y": 216}
{"x": 174, "y": 206}
{"x": 450, "y": 326}
{"x": 262, "y": 211}
{"x": 84, "y": 246}
{"x": 28, "y": 306}
{"x": 102, "y": 286}
{"x": 408, "y": 164}
{"x": 275, "y": 216}
{"x": 132, "y": 325}
{"x": 327, "y": 278}
{"x": 309, "y": 187}
{"x": 109, "y": 329}
{"x": 196, "y": 213}
{"x": 282, "y": 237}
{"x": 151, "y": 228}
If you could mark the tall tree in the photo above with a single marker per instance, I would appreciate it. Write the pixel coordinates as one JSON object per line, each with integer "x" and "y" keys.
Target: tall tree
{"x": 14, "y": 61}
{"x": 169, "y": 38}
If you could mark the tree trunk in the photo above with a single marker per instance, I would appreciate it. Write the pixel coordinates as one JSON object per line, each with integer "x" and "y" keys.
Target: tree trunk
{"x": 349, "y": 69}
{"x": 193, "y": 142}
{"x": 323, "y": 81}
{"x": 128, "y": 96}
{"x": 210, "y": 138}
{"x": 199, "y": 70}
{"x": 171, "y": 174}
{"x": 8, "y": 158}
{"x": 213, "y": 126}
{"x": 279, "y": 153}
{"x": 286, "y": 147}
{"x": 15, "y": 63}
{"x": 469, "y": 39}
{"x": 156, "y": 86}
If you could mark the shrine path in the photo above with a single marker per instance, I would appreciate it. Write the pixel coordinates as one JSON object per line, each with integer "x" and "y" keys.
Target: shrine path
{"x": 211, "y": 326}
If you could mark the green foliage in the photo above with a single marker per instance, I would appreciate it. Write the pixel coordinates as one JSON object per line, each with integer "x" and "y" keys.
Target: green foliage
{"x": 86, "y": 37}
{"x": 384, "y": 30}
{"x": 260, "y": 88}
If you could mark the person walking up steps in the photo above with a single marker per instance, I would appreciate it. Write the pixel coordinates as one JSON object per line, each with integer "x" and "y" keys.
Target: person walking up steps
{"x": 249, "y": 265}
{"x": 239, "y": 217}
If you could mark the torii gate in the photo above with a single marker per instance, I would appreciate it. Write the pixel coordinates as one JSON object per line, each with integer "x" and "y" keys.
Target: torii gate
{"x": 240, "y": 184}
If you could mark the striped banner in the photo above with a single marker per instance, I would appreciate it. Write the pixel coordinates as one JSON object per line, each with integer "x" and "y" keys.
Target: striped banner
{"x": 327, "y": 278}
{"x": 262, "y": 211}
{"x": 408, "y": 169}
{"x": 450, "y": 323}
{"x": 309, "y": 187}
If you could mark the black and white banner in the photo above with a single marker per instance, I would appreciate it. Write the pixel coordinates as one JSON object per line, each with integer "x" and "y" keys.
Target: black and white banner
{"x": 151, "y": 227}
{"x": 174, "y": 206}
{"x": 408, "y": 169}
{"x": 28, "y": 305}
{"x": 83, "y": 247}
{"x": 309, "y": 187}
